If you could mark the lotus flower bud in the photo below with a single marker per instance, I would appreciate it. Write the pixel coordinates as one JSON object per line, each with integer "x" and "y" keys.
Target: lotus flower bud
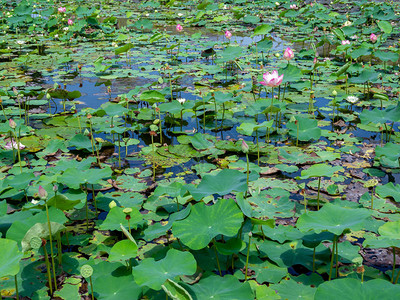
{"x": 42, "y": 193}
{"x": 179, "y": 28}
{"x": 245, "y": 147}
{"x": 12, "y": 123}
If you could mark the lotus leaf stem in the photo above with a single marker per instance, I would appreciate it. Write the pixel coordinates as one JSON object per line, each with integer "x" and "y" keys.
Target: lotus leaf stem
{"x": 332, "y": 256}
{"x": 216, "y": 256}
{"x": 51, "y": 245}
{"x": 394, "y": 263}
{"x": 319, "y": 187}
{"x": 247, "y": 257}
{"x": 46, "y": 259}
{"x": 91, "y": 286}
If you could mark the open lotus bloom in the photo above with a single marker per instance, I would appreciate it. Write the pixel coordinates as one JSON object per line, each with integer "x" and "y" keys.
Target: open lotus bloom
{"x": 272, "y": 79}
{"x": 228, "y": 34}
{"x": 179, "y": 27}
{"x": 13, "y": 145}
{"x": 346, "y": 42}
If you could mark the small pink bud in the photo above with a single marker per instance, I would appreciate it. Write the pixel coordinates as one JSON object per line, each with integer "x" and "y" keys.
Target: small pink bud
{"x": 42, "y": 193}
{"x": 228, "y": 34}
{"x": 373, "y": 38}
{"x": 288, "y": 54}
{"x": 12, "y": 123}
{"x": 70, "y": 22}
{"x": 245, "y": 147}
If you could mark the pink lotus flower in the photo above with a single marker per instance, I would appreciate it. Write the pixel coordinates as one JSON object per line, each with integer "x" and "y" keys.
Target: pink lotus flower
{"x": 373, "y": 38}
{"x": 179, "y": 28}
{"x": 13, "y": 145}
{"x": 62, "y": 9}
{"x": 228, "y": 34}
{"x": 293, "y": 6}
{"x": 288, "y": 54}
{"x": 42, "y": 193}
{"x": 345, "y": 42}
{"x": 272, "y": 79}
{"x": 70, "y": 22}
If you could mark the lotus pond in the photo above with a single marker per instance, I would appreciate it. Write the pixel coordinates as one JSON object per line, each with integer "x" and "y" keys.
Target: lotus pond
{"x": 199, "y": 149}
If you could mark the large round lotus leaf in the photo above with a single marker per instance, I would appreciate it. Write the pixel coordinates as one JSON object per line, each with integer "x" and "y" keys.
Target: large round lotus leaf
{"x": 153, "y": 274}
{"x": 221, "y": 288}
{"x": 9, "y": 258}
{"x": 116, "y": 217}
{"x": 350, "y": 288}
{"x": 114, "y": 109}
{"x": 389, "y": 190}
{"x": 223, "y": 183}
{"x": 206, "y": 222}
{"x": 291, "y": 290}
{"x": 306, "y": 129}
{"x": 333, "y": 218}
{"x": 390, "y": 230}
{"x": 123, "y": 250}
{"x": 74, "y": 178}
{"x": 62, "y": 202}
{"x": 320, "y": 170}
{"x": 115, "y": 286}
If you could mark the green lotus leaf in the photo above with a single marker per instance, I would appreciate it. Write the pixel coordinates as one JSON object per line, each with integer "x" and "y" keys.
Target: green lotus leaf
{"x": 123, "y": 250}
{"x": 389, "y": 190}
{"x": 116, "y": 217}
{"x": 153, "y": 274}
{"x": 221, "y": 288}
{"x": 346, "y": 288}
{"x": 62, "y": 202}
{"x": 306, "y": 129}
{"x": 333, "y": 218}
{"x": 9, "y": 258}
{"x": 152, "y": 97}
{"x": 223, "y": 183}
{"x": 320, "y": 170}
{"x": 206, "y": 222}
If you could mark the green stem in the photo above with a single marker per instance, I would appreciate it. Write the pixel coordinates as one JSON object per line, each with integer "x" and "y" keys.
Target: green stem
{"x": 16, "y": 286}
{"x": 258, "y": 149}
{"x": 154, "y": 166}
{"x": 91, "y": 286}
{"x": 337, "y": 260}
{"x": 332, "y": 256}
{"x": 319, "y": 187}
{"x": 247, "y": 258}
{"x": 394, "y": 263}
{"x": 59, "y": 248}
{"x": 51, "y": 246}
{"x": 313, "y": 260}
{"x": 94, "y": 200}
{"x": 46, "y": 259}
{"x": 216, "y": 256}
{"x": 87, "y": 209}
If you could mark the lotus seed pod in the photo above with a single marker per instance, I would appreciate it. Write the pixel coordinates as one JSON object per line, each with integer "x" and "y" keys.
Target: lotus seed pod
{"x": 86, "y": 271}
{"x": 153, "y": 127}
{"x": 112, "y": 204}
{"x": 36, "y": 242}
{"x": 127, "y": 210}
{"x": 334, "y": 93}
